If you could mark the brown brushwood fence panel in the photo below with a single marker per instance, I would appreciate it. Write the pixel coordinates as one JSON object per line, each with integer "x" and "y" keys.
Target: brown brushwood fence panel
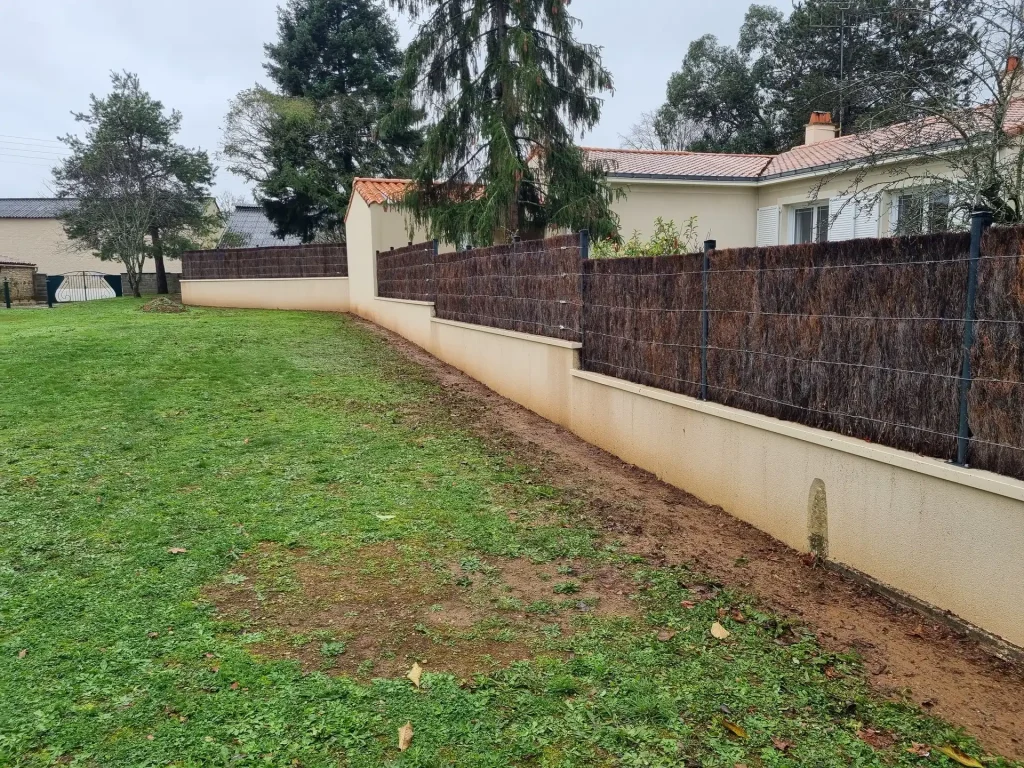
{"x": 315, "y": 260}
{"x": 863, "y": 338}
{"x": 532, "y": 287}
{"x": 641, "y": 320}
{"x": 996, "y": 406}
{"x": 407, "y": 273}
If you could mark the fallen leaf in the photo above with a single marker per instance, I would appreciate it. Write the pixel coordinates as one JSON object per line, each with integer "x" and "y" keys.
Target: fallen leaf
{"x": 955, "y": 754}
{"x": 781, "y": 744}
{"x": 152, "y": 635}
{"x": 720, "y": 632}
{"x": 23, "y": 653}
{"x": 738, "y": 617}
{"x": 415, "y": 674}
{"x": 738, "y": 730}
{"x": 150, "y": 737}
{"x": 665, "y": 635}
{"x": 234, "y": 686}
{"x": 921, "y": 750}
{"x": 688, "y": 604}
{"x": 831, "y": 673}
{"x": 177, "y": 550}
{"x": 874, "y": 737}
{"x": 404, "y": 737}
{"x": 246, "y": 441}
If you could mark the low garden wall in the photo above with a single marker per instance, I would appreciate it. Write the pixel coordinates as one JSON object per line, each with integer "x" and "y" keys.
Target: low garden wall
{"x": 939, "y": 534}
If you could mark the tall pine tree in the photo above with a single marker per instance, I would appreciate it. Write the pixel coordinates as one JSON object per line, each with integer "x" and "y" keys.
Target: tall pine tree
{"x": 335, "y": 65}
{"x": 506, "y": 87}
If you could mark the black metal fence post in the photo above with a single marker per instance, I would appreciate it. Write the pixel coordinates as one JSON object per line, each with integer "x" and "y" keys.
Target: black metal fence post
{"x": 436, "y": 247}
{"x": 7, "y": 293}
{"x": 980, "y": 221}
{"x": 705, "y": 315}
{"x": 584, "y": 258}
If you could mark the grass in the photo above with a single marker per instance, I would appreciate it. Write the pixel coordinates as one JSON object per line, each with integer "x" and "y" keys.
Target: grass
{"x": 124, "y": 435}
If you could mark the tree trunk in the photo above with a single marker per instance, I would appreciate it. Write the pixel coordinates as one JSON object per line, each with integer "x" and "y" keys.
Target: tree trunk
{"x": 158, "y": 262}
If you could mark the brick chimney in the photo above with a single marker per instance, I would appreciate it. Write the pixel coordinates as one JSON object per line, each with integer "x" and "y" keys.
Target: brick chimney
{"x": 820, "y": 128}
{"x": 1013, "y": 78}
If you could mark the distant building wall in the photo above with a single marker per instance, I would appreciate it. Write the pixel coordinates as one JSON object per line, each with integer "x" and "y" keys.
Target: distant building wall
{"x": 42, "y": 242}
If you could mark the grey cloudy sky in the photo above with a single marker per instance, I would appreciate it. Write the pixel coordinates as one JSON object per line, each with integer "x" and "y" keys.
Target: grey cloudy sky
{"x": 194, "y": 55}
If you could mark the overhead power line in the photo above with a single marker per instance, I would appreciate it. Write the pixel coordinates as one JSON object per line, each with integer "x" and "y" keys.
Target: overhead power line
{"x": 29, "y": 138}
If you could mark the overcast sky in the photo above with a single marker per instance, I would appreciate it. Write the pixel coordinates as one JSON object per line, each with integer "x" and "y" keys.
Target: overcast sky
{"x": 194, "y": 55}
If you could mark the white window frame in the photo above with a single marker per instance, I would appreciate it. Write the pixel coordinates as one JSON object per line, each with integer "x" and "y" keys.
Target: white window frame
{"x": 815, "y": 206}
{"x": 927, "y": 193}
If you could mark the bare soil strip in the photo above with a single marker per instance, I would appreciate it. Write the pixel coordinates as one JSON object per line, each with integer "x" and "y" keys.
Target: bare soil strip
{"x": 905, "y": 654}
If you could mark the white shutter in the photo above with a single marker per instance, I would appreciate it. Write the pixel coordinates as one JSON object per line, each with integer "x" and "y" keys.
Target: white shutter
{"x": 866, "y": 220}
{"x": 768, "y": 226}
{"x": 841, "y": 217}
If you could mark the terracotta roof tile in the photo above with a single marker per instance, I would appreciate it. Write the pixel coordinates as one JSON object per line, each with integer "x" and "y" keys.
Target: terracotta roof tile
{"x": 706, "y": 165}
{"x": 380, "y": 191}
{"x": 638, "y": 162}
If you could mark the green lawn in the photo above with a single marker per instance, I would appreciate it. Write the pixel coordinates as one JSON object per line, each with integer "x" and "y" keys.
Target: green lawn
{"x": 340, "y": 523}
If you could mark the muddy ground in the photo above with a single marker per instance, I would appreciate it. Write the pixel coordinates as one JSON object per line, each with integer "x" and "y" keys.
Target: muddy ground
{"x": 905, "y": 654}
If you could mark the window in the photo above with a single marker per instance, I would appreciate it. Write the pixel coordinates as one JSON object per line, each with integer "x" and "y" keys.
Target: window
{"x": 811, "y": 224}
{"x": 919, "y": 212}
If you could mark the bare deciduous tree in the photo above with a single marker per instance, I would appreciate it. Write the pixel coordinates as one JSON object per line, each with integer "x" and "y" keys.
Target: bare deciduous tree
{"x": 658, "y": 132}
{"x": 966, "y": 154}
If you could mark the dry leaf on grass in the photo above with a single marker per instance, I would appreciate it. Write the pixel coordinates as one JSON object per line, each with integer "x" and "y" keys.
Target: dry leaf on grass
{"x": 737, "y": 730}
{"x": 405, "y": 737}
{"x": 23, "y": 653}
{"x": 177, "y": 550}
{"x": 415, "y": 674}
{"x": 781, "y": 744}
{"x": 955, "y": 754}
{"x": 831, "y": 673}
{"x": 720, "y": 632}
{"x": 921, "y": 750}
{"x": 665, "y": 635}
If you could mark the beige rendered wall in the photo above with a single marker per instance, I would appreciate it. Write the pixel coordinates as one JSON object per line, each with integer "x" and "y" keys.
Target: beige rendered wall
{"x": 726, "y": 213}
{"x": 322, "y": 294}
{"x": 951, "y": 537}
{"x": 801, "y": 191}
{"x": 42, "y": 242}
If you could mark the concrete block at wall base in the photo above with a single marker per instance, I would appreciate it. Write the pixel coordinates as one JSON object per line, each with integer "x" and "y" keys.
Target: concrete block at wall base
{"x": 323, "y": 294}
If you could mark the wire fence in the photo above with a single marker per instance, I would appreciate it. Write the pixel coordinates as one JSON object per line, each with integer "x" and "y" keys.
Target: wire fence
{"x": 864, "y": 338}
{"x": 328, "y": 260}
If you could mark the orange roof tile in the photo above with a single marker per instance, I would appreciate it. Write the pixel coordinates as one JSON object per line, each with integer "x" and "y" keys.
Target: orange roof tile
{"x": 380, "y": 191}
{"x": 708, "y": 166}
{"x": 702, "y": 165}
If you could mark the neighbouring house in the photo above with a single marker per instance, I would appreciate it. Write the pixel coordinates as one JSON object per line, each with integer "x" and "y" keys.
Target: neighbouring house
{"x": 798, "y": 196}
{"x": 31, "y": 231}
{"x": 248, "y": 227}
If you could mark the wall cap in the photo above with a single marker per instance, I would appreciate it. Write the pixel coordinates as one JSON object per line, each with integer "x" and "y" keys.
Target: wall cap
{"x": 510, "y": 334}
{"x": 973, "y": 478}
{"x": 255, "y": 279}
{"x": 414, "y": 302}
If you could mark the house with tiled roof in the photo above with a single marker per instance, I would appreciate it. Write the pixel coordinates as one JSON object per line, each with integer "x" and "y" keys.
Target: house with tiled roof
{"x": 801, "y": 195}
{"x": 812, "y": 192}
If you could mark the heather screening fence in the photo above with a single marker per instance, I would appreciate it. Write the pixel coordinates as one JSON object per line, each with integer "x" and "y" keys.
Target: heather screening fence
{"x": 864, "y": 338}
{"x": 266, "y": 263}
